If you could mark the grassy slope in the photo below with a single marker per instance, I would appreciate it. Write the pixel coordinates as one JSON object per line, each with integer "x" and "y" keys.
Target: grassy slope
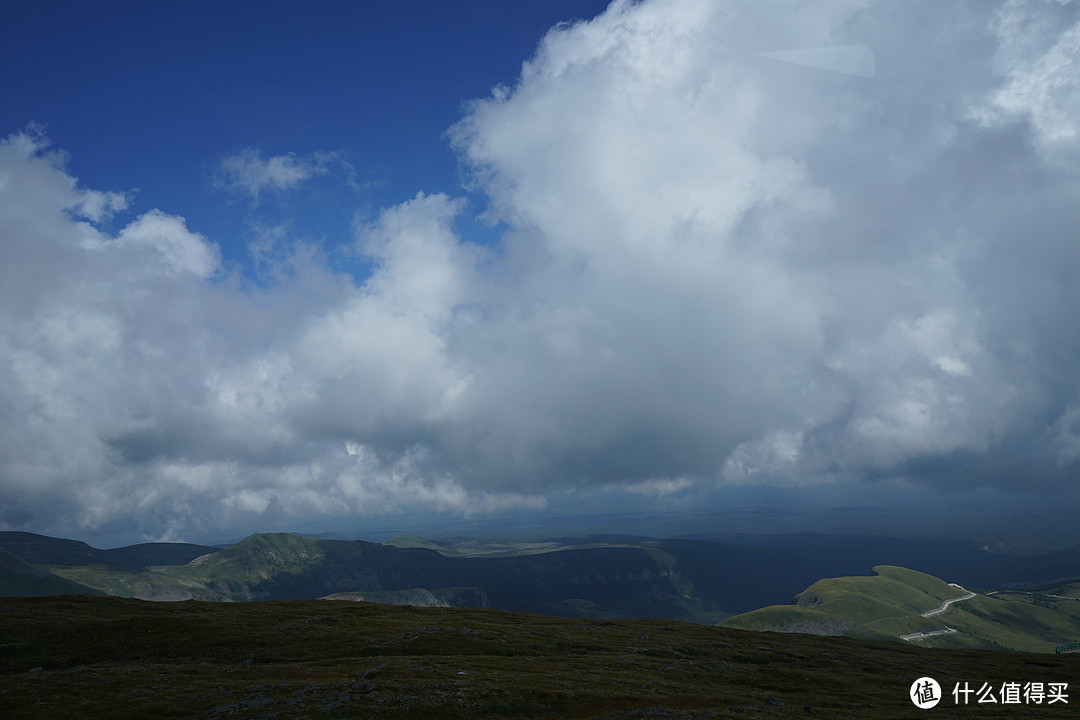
{"x": 890, "y": 604}
{"x": 111, "y": 658}
{"x": 884, "y": 605}
{"x": 1069, "y": 588}
{"x": 1011, "y": 622}
{"x": 795, "y": 619}
{"x": 228, "y": 574}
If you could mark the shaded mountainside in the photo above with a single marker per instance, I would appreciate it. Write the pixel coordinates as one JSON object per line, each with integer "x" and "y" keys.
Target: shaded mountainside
{"x": 108, "y": 658}
{"x": 45, "y": 550}
{"x": 902, "y": 604}
{"x": 593, "y": 581}
{"x": 19, "y": 578}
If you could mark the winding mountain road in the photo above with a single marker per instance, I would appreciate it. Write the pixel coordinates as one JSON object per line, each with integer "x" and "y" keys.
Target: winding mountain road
{"x": 928, "y": 633}
{"x": 946, "y": 603}
{"x": 937, "y": 611}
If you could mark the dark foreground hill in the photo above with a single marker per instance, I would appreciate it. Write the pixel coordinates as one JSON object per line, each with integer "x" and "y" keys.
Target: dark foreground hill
{"x": 85, "y": 657}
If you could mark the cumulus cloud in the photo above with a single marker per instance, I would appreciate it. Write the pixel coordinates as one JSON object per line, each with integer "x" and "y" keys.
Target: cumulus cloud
{"x": 717, "y": 268}
{"x": 142, "y": 388}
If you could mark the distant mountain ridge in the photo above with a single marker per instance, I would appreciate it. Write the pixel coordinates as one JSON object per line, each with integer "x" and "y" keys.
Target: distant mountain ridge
{"x": 697, "y": 581}
{"x": 702, "y": 581}
{"x": 44, "y": 550}
{"x": 593, "y": 581}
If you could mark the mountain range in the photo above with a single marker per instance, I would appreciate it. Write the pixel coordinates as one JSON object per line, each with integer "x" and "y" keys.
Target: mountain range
{"x": 697, "y": 580}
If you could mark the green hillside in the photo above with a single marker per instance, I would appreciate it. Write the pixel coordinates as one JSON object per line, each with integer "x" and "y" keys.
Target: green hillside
{"x": 907, "y": 590}
{"x": 881, "y": 606}
{"x": 1066, "y": 589}
{"x": 1008, "y": 622}
{"x": 895, "y": 603}
{"x": 234, "y": 573}
{"x": 808, "y": 621}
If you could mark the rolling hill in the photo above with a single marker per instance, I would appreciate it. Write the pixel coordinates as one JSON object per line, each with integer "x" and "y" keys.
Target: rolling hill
{"x": 902, "y": 604}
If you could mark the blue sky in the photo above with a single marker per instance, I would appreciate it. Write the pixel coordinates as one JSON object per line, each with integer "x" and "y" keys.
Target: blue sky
{"x": 151, "y": 96}
{"x": 273, "y": 266}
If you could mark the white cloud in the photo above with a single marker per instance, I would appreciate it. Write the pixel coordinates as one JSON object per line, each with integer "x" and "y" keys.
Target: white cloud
{"x": 173, "y": 247}
{"x": 140, "y": 383}
{"x": 848, "y": 59}
{"x": 248, "y": 173}
{"x": 1038, "y": 54}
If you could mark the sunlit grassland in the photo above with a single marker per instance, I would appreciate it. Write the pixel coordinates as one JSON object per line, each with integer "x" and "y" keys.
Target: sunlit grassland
{"x": 892, "y": 602}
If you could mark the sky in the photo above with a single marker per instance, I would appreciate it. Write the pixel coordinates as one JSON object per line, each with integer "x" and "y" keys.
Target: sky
{"x": 271, "y": 266}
